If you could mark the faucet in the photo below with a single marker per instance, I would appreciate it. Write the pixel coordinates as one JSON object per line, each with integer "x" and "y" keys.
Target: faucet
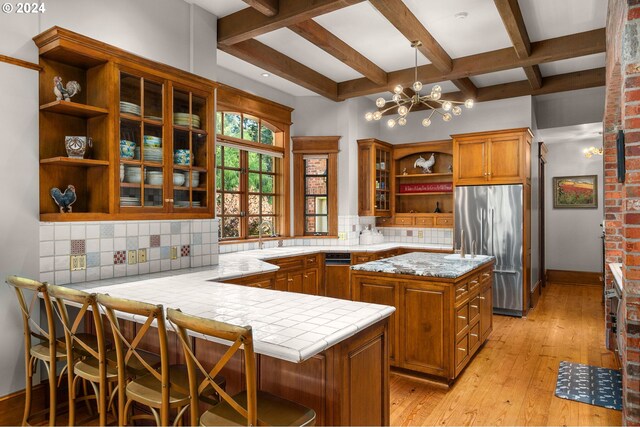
{"x": 462, "y": 254}
{"x": 473, "y": 249}
{"x": 261, "y": 228}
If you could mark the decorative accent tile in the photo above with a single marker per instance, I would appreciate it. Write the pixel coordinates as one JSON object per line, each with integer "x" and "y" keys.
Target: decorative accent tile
{"x": 132, "y": 243}
{"x": 78, "y": 247}
{"x": 186, "y": 250}
{"x": 409, "y": 233}
{"x": 120, "y": 257}
{"x": 93, "y": 259}
{"x": 106, "y": 230}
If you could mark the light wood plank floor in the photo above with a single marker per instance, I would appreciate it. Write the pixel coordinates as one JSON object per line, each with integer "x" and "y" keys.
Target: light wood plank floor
{"x": 512, "y": 379}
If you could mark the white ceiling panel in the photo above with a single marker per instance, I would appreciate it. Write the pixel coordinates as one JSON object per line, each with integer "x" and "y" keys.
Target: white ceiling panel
{"x": 289, "y": 43}
{"x": 362, "y": 27}
{"x": 546, "y": 19}
{"x": 500, "y": 77}
{"x": 574, "y": 64}
{"x": 220, "y": 8}
{"x": 252, "y": 72}
{"x": 481, "y": 31}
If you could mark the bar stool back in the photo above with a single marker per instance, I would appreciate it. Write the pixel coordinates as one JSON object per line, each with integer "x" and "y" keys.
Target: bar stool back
{"x": 48, "y": 350}
{"x": 250, "y": 407}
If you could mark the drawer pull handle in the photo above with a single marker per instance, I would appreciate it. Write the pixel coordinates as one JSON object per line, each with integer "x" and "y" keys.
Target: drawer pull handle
{"x": 306, "y": 277}
{"x": 486, "y": 275}
{"x": 462, "y": 349}
{"x": 461, "y": 290}
{"x": 462, "y": 317}
{"x": 473, "y": 282}
{"x": 482, "y": 298}
{"x": 290, "y": 280}
{"x": 474, "y": 306}
{"x": 474, "y": 335}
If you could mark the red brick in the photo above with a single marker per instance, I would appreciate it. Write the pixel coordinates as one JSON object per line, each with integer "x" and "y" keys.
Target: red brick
{"x": 632, "y": 95}
{"x": 632, "y": 233}
{"x": 632, "y": 82}
{"x": 633, "y": 123}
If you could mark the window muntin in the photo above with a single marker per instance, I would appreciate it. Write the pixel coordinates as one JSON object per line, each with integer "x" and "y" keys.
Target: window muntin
{"x": 245, "y": 127}
{"x": 316, "y": 200}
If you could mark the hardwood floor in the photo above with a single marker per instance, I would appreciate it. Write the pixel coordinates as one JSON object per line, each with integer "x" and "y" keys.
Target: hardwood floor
{"x": 512, "y": 379}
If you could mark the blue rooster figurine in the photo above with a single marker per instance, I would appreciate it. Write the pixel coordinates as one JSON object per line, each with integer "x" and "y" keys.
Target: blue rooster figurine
{"x": 64, "y": 200}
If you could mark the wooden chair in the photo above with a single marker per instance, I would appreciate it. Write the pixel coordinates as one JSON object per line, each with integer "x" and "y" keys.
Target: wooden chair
{"x": 250, "y": 407}
{"x": 93, "y": 366}
{"x": 48, "y": 351}
{"x": 161, "y": 390}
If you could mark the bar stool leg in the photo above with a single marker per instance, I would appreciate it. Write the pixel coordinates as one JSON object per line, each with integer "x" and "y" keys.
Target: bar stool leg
{"x": 28, "y": 386}
{"x": 53, "y": 398}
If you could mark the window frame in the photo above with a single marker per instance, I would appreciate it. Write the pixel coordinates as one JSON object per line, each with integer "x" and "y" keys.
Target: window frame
{"x": 315, "y": 145}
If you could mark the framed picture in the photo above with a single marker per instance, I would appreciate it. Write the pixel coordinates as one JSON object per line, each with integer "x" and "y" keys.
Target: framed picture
{"x": 575, "y": 192}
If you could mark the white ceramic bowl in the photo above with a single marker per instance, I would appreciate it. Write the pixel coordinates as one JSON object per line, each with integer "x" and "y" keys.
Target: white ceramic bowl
{"x": 154, "y": 179}
{"x": 178, "y": 179}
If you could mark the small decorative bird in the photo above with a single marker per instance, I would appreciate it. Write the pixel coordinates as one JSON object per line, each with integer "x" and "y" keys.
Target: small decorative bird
{"x": 64, "y": 200}
{"x": 62, "y": 92}
{"x": 425, "y": 164}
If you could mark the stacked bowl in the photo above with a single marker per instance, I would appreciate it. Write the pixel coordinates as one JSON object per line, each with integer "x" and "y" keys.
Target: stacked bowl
{"x": 182, "y": 157}
{"x": 178, "y": 179}
{"x": 132, "y": 174}
{"x": 127, "y": 149}
{"x": 154, "y": 178}
{"x": 152, "y": 148}
{"x": 195, "y": 178}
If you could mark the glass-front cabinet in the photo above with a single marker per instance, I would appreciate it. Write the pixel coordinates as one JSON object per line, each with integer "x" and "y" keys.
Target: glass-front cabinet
{"x": 374, "y": 178}
{"x": 163, "y": 146}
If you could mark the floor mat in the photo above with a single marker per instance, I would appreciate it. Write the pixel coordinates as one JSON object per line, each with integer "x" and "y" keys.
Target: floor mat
{"x": 590, "y": 384}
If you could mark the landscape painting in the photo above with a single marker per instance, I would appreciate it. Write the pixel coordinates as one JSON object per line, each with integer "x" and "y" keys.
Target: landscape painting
{"x": 575, "y": 191}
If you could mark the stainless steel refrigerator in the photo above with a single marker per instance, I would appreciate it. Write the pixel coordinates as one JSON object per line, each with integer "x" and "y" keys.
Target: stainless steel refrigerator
{"x": 493, "y": 217}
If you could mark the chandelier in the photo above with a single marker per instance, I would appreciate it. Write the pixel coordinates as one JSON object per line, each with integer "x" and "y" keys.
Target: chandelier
{"x": 404, "y": 102}
{"x": 588, "y": 152}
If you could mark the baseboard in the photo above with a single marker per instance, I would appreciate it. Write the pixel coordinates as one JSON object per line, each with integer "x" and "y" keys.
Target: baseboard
{"x": 535, "y": 294}
{"x": 574, "y": 277}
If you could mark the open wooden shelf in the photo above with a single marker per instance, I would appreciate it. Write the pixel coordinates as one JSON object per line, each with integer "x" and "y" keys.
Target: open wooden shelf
{"x": 73, "y": 109}
{"x": 186, "y": 168}
{"x": 424, "y": 175}
{"x": 69, "y": 161}
{"x": 440, "y": 193}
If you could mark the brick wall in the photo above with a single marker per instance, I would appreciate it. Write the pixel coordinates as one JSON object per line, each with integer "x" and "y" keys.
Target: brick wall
{"x": 622, "y": 202}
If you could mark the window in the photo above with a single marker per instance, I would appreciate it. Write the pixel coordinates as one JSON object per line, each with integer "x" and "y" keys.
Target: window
{"x": 315, "y": 186}
{"x": 248, "y": 177}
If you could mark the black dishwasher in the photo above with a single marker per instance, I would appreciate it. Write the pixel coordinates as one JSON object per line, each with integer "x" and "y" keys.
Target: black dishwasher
{"x": 336, "y": 275}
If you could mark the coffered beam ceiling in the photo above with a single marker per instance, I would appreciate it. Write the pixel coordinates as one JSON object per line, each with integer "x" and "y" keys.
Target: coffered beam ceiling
{"x": 249, "y": 23}
{"x": 266, "y": 7}
{"x": 514, "y": 23}
{"x": 399, "y": 15}
{"x": 325, "y": 40}
{"x": 236, "y": 34}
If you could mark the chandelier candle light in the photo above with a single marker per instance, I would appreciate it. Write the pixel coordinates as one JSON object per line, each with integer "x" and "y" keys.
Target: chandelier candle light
{"x": 405, "y": 103}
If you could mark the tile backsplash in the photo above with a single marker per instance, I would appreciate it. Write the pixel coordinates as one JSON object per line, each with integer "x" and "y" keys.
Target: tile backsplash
{"x": 112, "y": 247}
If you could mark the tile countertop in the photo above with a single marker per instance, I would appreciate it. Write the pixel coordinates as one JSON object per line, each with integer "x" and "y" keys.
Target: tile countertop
{"x": 423, "y": 264}
{"x": 287, "y": 326}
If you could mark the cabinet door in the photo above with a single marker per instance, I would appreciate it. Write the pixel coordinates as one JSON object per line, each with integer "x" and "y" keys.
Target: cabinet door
{"x": 295, "y": 282}
{"x": 470, "y": 166}
{"x": 365, "y": 185}
{"x": 378, "y": 291}
{"x": 424, "y": 313}
{"x": 505, "y": 159}
{"x": 281, "y": 282}
{"x": 310, "y": 282}
{"x": 486, "y": 312}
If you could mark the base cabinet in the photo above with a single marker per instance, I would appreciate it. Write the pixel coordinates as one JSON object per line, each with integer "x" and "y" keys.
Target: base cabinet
{"x": 439, "y": 324}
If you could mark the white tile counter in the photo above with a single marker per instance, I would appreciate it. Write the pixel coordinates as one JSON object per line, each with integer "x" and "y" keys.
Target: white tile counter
{"x": 287, "y": 326}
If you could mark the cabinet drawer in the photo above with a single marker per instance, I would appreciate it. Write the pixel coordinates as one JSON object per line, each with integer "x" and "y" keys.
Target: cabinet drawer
{"x": 403, "y": 220}
{"x": 361, "y": 258}
{"x": 474, "y": 283}
{"x": 462, "y": 319}
{"x": 474, "y": 309}
{"x": 485, "y": 277}
{"x": 312, "y": 260}
{"x": 264, "y": 284}
{"x": 424, "y": 222}
{"x": 444, "y": 221}
{"x": 462, "y": 350}
{"x": 462, "y": 290}
{"x": 474, "y": 337}
{"x": 289, "y": 263}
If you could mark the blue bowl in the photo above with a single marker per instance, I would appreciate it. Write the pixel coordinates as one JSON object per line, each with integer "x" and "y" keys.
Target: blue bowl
{"x": 127, "y": 149}
{"x": 182, "y": 157}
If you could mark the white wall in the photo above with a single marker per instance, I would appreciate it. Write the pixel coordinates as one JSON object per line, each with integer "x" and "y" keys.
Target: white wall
{"x": 169, "y": 31}
{"x": 573, "y": 235}
{"x": 570, "y": 108}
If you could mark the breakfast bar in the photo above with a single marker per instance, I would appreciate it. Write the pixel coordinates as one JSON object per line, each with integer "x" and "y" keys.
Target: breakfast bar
{"x": 328, "y": 354}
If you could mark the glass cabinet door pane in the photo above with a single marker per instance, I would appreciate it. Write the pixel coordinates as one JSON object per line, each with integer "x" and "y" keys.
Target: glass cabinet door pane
{"x": 154, "y": 181}
{"x": 153, "y": 141}
{"x": 130, "y": 137}
{"x": 199, "y": 150}
{"x": 198, "y": 112}
{"x": 181, "y": 108}
{"x": 130, "y": 94}
{"x": 153, "y": 100}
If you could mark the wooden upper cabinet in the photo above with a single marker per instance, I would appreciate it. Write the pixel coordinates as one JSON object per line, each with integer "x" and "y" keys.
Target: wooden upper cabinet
{"x": 498, "y": 157}
{"x": 374, "y": 178}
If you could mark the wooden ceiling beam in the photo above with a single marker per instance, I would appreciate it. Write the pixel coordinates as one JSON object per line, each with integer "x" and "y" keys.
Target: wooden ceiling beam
{"x": 399, "y": 15}
{"x": 281, "y": 65}
{"x": 265, "y": 7}
{"x": 467, "y": 87}
{"x": 249, "y": 23}
{"x": 327, "y": 41}
{"x": 534, "y": 76}
{"x": 556, "y": 49}
{"x": 559, "y": 83}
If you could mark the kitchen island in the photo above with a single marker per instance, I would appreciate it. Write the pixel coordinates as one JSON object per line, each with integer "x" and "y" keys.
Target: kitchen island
{"x": 443, "y": 304}
{"x": 328, "y": 354}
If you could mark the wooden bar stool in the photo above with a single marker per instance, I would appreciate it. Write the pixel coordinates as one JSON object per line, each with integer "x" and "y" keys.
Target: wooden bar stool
{"x": 48, "y": 351}
{"x": 250, "y": 407}
{"x": 161, "y": 390}
{"x": 93, "y": 366}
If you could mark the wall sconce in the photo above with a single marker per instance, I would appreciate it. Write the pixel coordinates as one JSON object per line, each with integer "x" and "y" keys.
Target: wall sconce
{"x": 588, "y": 152}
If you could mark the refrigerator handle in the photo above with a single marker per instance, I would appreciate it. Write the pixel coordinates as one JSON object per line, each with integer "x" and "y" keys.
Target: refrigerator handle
{"x": 482, "y": 213}
{"x": 492, "y": 228}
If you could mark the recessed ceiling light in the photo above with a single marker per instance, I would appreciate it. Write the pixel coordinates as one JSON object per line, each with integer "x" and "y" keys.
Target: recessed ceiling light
{"x": 461, "y": 15}
{"x": 265, "y": 74}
